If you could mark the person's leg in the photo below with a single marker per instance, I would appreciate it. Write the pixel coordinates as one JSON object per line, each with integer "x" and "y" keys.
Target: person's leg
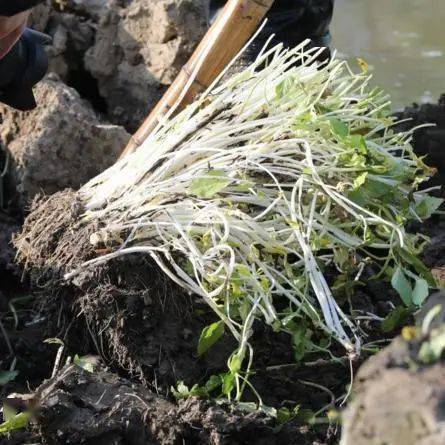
{"x": 293, "y": 21}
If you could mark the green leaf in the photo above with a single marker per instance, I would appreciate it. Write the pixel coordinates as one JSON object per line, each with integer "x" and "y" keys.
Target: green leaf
{"x": 210, "y": 184}
{"x": 397, "y": 318}
{"x": 235, "y": 363}
{"x": 181, "y": 391}
{"x": 283, "y": 415}
{"x": 358, "y": 142}
{"x": 228, "y": 384}
{"x": 7, "y": 376}
{"x": 284, "y": 87}
{"x": 209, "y": 336}
{"x": 420, "y": 292}
{"x": 358, "y": 196}
{"x": 243, "y": 270}
{"x": 306, "y": 416}
{"x": 339, "y": 128}
{"x": 421, "y": 269}
{"x": 214, "y": 382}
{"x": 198, "y": 391}
{"x": 8, "y": 412}
{"x": 428, "y": 206}
{"x": 377, "y": 189}
{"x": 360, "y": 180}
{"x": 18, "y": 422}
{"x": 403, "y": 287}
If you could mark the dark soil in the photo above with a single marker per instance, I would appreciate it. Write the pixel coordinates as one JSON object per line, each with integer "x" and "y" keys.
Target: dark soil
{"x": 21, "y": 327}
{"x": 429, "y": 141}
{"x": 102, "y": 408}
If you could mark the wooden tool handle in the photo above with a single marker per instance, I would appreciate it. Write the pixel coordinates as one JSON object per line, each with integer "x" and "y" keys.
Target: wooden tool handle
{"x": 233, "y": 27}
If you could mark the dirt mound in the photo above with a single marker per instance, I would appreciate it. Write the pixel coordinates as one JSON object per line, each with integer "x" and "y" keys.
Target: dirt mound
{"x": 60, "y": 144}
{"x": 398, "y": 401}
{"x": 99, "y": 407}
{"x": 135, "y": 316}
{"x": 139, "y": 50}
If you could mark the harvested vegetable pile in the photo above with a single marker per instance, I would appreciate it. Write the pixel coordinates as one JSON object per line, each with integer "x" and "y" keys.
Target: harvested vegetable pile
{"x": 269, "y": 193}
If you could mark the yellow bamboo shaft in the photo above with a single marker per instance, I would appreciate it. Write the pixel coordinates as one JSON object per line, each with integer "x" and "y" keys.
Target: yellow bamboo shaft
{"x": 233, "y": 27}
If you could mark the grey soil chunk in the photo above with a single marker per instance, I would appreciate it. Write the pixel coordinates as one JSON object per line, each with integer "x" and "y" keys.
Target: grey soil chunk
{"x": 100, "y": 408}
{"x": 397, "y": 402}
{"x": 62, "y": 143}
{"x": 139, "y": 50}
{"x": 126, "y": 52}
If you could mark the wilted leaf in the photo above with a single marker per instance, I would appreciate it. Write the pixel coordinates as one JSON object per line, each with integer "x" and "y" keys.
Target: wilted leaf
{"x": 54, "y": 341}
{"x": 363, "y": 64}
{"x": 270, "y": 411}
{"x": 247, "y": 407}
{"x": 410, "y": 333}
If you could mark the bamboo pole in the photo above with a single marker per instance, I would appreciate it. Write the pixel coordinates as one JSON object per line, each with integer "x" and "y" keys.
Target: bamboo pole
{"x": 233, "y": 27}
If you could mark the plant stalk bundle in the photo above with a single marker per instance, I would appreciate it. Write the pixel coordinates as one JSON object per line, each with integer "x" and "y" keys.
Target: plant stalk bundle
{"x": 268, "y": 197}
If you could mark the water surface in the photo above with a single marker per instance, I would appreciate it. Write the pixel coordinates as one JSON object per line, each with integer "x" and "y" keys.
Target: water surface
{"x": 402, "y": 40}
